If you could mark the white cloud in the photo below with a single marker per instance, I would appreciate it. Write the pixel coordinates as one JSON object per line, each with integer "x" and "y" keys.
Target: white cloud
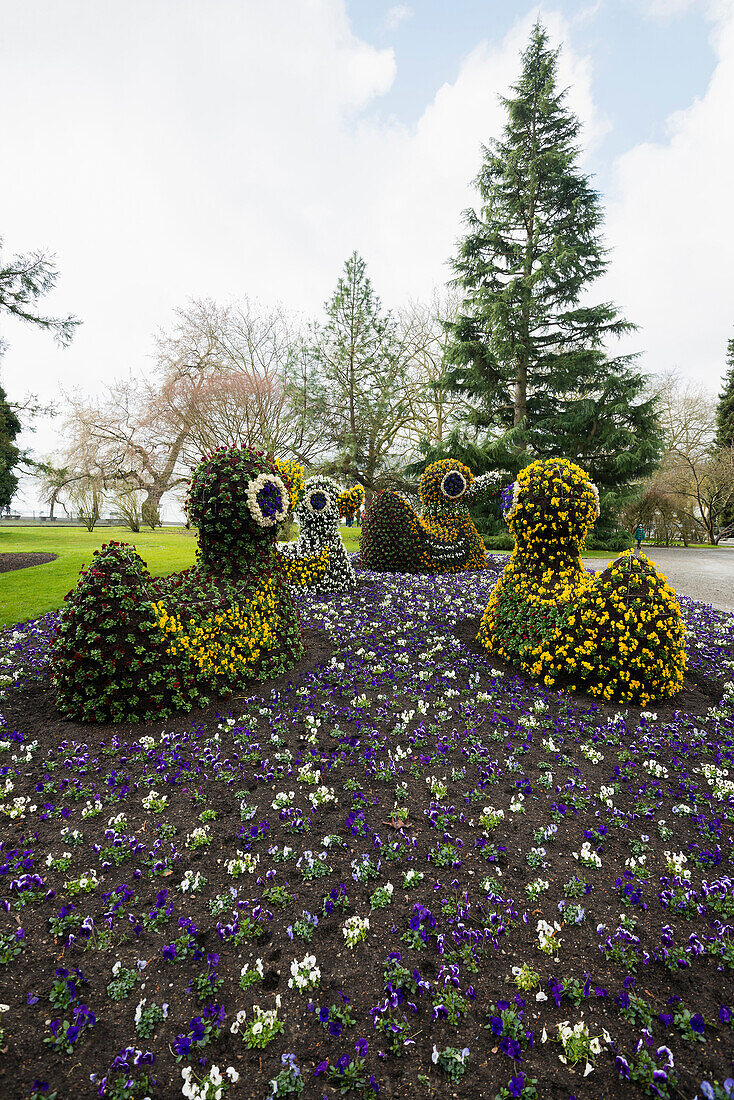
{"x": 667, "y": 9}
{"x": 415, "y": 211}
{"x": 671, "y": 232}
{"x": 175, "y": 150}
{"x": 396, "y": 15}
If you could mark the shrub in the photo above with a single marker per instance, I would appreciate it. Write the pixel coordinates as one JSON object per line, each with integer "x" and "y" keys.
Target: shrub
{"x": 499, "y": 542}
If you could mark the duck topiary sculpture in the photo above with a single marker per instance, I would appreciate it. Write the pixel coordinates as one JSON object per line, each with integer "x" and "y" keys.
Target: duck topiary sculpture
{"x": 442, "y": 539}
{"x": 616, "y": 634}
{"x": 350, "y": 503}
{"x": 319, "y": 559}
{"x": 131, "y": 647}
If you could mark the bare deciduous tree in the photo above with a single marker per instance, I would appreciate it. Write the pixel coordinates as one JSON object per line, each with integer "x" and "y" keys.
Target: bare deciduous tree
{"x": 434, "y": 411}
{"x": 693, "y": 489}
{"x": 129, "y": 441}
{"x": 128, "y": 504}
{"x": 223, "y": 376}
{"x": 251, "y": 391}
{"x": 707, "y": 484}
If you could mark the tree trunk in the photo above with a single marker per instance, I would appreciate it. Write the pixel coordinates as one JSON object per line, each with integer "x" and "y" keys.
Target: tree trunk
{"x": 151, "y": 509}
{"x": 521, "y": 394}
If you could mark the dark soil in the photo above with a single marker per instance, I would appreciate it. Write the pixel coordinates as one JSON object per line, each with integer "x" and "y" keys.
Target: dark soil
{"x": 22, "y": 561}
{"x": 484, "y": 758}
{"x": 700, "y": 691}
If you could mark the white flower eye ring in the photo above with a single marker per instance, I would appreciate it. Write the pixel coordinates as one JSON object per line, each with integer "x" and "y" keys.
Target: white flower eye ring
{"x": 317, "y": 501}
{"x": 453, "y": 485}
{"x": 267, "y": 499}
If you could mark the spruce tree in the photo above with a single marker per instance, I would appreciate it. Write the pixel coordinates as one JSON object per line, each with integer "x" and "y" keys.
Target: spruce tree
{"x": 527, "y": 346}
{"x": 9, "y": 453}
{"x": 725, "y": 404}
{"x": 360, "y": 394}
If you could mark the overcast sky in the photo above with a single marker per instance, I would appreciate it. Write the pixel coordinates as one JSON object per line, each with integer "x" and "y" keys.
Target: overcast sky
{"x": 168, "y": 149}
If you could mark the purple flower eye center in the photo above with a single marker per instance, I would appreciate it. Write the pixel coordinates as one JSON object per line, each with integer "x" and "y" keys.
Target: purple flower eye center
{"x": 270, "y": 500}
{"x": 453, "y": 484}
{"x": 318, "y": 501}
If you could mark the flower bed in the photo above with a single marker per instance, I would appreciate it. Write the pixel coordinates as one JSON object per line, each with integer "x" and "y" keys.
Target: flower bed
{"x": 407, "y": 869}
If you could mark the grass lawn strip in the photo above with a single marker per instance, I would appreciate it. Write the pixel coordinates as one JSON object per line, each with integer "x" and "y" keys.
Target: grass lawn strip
{"x": 31, "y": 592}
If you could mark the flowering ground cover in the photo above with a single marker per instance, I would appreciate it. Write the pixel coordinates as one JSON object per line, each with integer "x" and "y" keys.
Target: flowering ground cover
{"x": 400, "y": 867}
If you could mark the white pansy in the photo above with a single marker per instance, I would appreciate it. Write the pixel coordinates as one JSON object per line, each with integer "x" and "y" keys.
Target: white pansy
{"x": 254, "y": 487}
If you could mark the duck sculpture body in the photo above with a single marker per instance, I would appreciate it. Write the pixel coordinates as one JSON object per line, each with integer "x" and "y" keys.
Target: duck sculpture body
{"x": 318, "y": 559}
{"x": 159, "y": 643}
{"x": 442, "y": 539}
{"x": 617, "y": 634}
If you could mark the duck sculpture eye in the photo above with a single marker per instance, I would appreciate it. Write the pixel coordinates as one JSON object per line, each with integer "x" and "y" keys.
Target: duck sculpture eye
{"x": 453, "y": 485}
{"x": 267, "y": 499}
{"x": 317, "y": 501}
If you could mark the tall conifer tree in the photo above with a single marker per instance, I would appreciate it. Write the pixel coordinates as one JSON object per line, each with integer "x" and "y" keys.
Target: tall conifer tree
{"x": 725, "y": 404}
{"x": 527, "y": 346}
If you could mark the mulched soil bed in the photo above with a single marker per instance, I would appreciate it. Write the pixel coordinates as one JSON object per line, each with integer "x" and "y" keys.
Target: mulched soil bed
{"x": 700, "y": 690}
{"x": 394, "y": 706}
{"x": 22, "y": 561}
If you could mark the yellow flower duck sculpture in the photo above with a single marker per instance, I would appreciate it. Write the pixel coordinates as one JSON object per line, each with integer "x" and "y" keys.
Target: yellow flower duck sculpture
{"x": 617, "y": 634}
{"x": 442, "y": 539}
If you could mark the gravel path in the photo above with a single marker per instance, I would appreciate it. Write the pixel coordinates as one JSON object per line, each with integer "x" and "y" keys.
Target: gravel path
{"x": 704, "y": 574}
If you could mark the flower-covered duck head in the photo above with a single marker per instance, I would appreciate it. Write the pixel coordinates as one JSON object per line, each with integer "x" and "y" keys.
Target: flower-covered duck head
{"x": 236, "y": 500}
{"x": 444, "y": 484}
{"x": 319, "y": 504}
{"x": 552, "y": 501}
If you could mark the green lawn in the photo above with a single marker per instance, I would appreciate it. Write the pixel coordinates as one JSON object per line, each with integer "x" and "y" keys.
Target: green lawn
{"x": 26, "y": 593}
{"x": 350, "y": 535}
